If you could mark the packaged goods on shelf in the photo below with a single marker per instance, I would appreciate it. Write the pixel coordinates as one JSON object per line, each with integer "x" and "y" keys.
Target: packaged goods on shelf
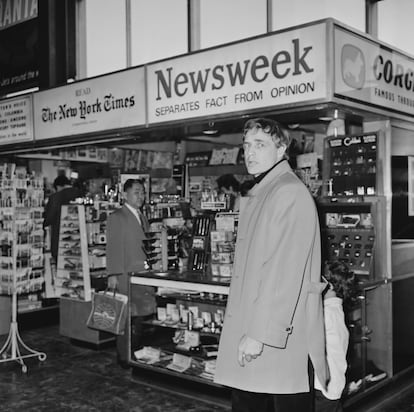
{"x": 222, "y": 244}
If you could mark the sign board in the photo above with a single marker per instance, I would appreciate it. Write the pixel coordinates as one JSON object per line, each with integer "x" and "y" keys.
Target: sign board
{"x": 280, "y": 69}
{"x": 16, "y": 11}
{"x": 19, "y": 45}
{"x": 369, "y": 72}
{"x": 351, "y": 165}
{"x": 16, "y": 123}
{"x": 110, "y": 102}
{"x": 410, "y": 185}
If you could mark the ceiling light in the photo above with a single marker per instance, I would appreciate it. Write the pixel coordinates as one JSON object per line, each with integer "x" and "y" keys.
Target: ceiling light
{"x": 325, "y": 118}
{"x": 336, "y": 128}
{"x": 333, "y": 116}
{"x": 211, "y": 130}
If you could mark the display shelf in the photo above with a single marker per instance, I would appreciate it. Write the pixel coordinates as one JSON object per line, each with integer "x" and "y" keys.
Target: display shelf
{"x": 217, "y": 170}
{"x": 42, "y": 309}
{"x": 72, "y": 278}
{"x": 72, "y": 323}
{"x": 162, "y": 369}
{"x": 186, "y": 332}
{"x": 350, "y": 233}
{"x": 96, "y": 215}
{"x": 180, "y": 327}
{"x": 351, "y": 165}
{"x": 223, "y": 243}
{"x": 199, "y": 256}
{"x": 21, "y": 256}
{"x": 184, "y": 281}
{"x": 195, "y": 298}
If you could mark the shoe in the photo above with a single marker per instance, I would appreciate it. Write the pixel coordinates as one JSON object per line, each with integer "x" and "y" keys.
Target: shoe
{"x": 374, "y": 374}
{"x": 354, "y": 386}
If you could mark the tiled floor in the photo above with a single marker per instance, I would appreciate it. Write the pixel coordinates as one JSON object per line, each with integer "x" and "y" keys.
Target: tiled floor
{"x": 76, "y": 378}
{"x": 397, "y": 397}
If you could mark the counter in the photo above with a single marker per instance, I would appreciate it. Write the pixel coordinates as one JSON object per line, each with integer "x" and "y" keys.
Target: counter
{"x": 182, "y": 338}
{"x": 194, "y": 282}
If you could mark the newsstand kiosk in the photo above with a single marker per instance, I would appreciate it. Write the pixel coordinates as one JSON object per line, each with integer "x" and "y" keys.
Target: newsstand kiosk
{"x": 348, "y": 101}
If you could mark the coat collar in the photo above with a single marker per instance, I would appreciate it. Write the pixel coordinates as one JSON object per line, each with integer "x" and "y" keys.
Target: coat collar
{"x": 280, "y": 169}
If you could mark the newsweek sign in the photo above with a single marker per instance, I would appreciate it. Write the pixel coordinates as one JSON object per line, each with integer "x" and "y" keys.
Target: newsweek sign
{"x": 284, "y": 68}
{"x": 104, "y": 103}
{"x": 368, "y": 72}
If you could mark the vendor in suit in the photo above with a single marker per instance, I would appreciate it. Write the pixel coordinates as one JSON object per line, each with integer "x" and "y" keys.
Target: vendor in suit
{"x": 125, "y": 233}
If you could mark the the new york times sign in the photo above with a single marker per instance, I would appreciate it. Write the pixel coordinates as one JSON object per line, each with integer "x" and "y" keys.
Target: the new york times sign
{"x": 19, "y": 66}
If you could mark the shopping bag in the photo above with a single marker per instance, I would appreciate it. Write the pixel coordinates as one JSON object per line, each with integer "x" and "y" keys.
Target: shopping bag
{"x": 109, "y": 312}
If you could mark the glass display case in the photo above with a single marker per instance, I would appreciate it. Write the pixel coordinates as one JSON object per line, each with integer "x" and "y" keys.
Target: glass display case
{"x": 182, "y": 337}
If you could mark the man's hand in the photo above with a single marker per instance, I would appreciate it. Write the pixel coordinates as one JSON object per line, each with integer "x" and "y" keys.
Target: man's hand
{"x": 249, "y": 349}
{"x": 112, "y": 282}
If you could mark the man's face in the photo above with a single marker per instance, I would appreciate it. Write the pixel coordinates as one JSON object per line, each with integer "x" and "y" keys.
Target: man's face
{"x": 260, "y": 152}
{"x": 135, "y": 195}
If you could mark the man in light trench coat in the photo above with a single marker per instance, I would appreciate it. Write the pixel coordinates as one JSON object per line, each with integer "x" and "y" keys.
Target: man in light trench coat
{"x": 273, "y": 332}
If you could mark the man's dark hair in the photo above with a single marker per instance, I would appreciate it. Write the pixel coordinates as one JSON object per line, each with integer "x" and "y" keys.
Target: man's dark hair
{"x": 228, "y": 180}
{"x": 342, "y": 280}
{"x": 276, "y": 130}
{"x": 130, "y": 182}
{"x": 61, "y": 181}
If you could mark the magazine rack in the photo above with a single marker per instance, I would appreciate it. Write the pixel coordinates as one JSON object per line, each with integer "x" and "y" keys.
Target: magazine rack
{"x": 11, "y": 350}
{"x": 14, "y": 349}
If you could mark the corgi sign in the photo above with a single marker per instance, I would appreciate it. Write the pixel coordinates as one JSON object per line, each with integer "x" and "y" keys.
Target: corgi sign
{"x": 369, "y": 72}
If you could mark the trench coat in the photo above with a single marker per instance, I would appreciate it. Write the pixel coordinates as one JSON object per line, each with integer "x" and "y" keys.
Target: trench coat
{"x": 275, "y": 292}
{"x": 124, "y": 254}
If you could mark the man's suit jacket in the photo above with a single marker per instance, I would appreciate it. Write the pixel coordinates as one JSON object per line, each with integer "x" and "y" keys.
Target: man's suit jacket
{"x": 124, "y": 254}
{"x": 275, "y": 292}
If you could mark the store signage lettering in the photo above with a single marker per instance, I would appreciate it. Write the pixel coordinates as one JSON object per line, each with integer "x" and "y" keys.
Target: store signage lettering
{"x": 281, "y": 65}
{"x": 385, "y": 70}
{"x": 107, "y": 102}
{"x": 348, "y": 141}
{"x": 352, "y": 140}
{"x": 273, "y": 70}
{"x": 396, "y": 74}
{"x": 16, "y": 11}
{"x": 84, "y": 108}
{"x": 335, "y": 142}
{"x": 16, "y": 120}
{"x": 371, "y": 73}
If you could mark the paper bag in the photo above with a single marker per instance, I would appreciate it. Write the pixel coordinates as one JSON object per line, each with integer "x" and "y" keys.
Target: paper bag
{"x": 109, "y": 312}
